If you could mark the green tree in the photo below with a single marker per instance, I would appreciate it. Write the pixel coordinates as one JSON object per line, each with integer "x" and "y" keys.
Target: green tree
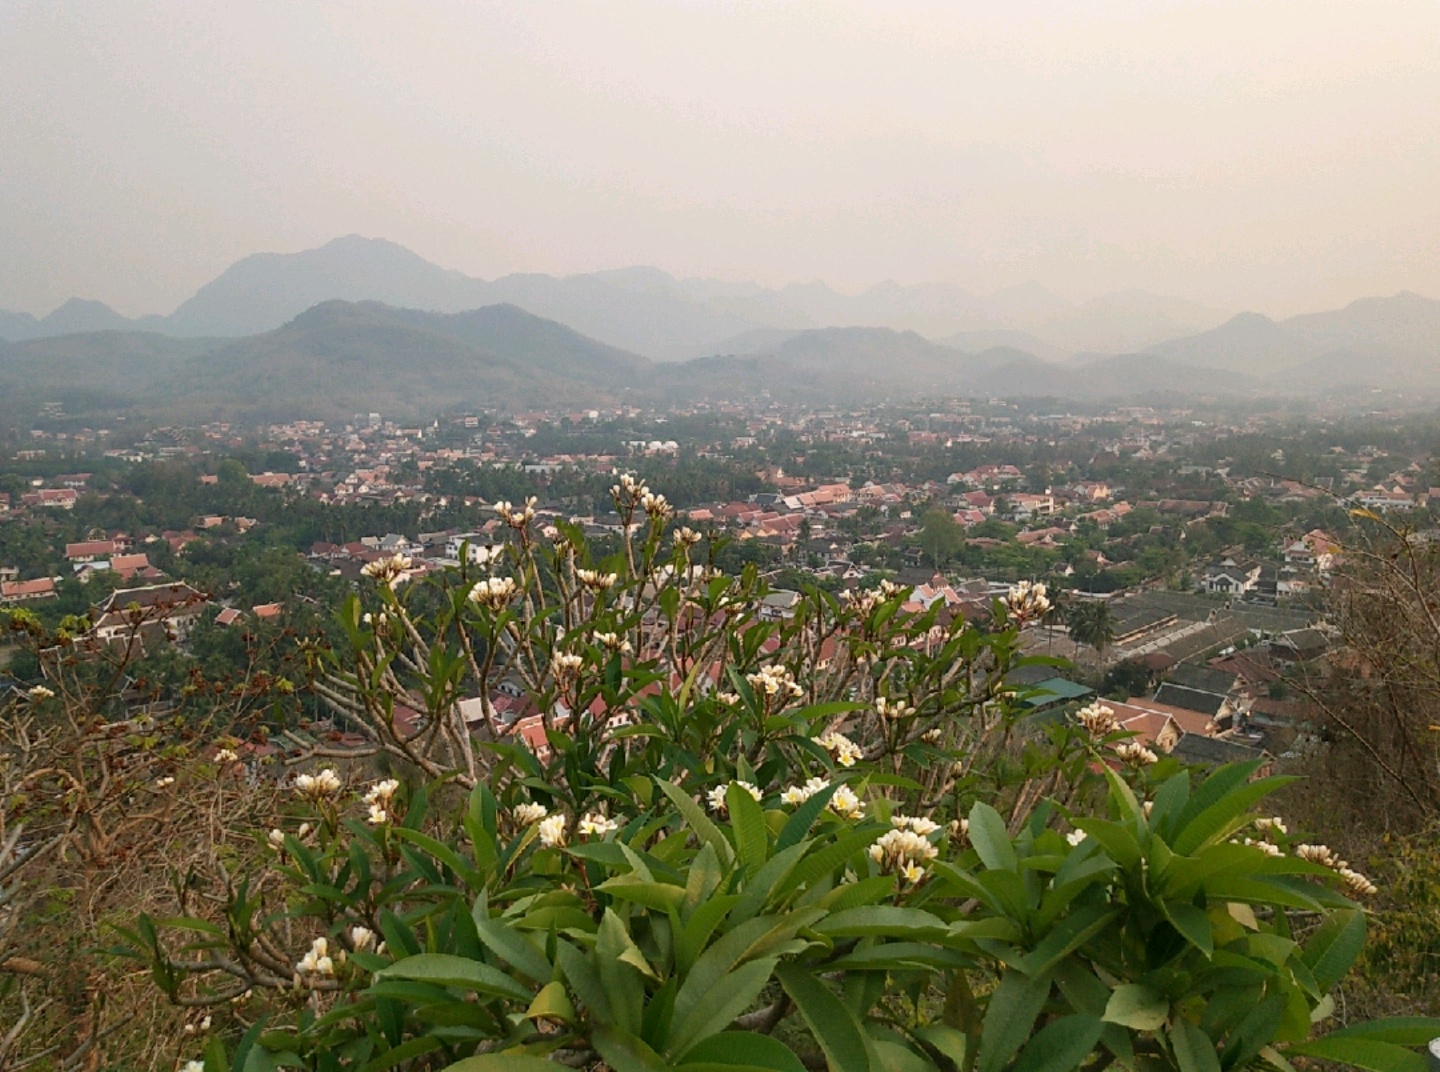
{"x": 1091, "y": 623}
{"x": 941, "y": 537}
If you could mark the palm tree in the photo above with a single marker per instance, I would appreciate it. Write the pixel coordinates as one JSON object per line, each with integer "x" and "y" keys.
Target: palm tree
{"x": 1091, "y": 623}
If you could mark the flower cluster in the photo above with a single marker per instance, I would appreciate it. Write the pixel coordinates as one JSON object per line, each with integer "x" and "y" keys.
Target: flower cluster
{"x": 1268, "y": 848}
{"x": 799, "y": 794}
{"x": 1135, "y": 754}
{"x": 655, "y": 505}
{"x": 628, "y": 493}
{"x": 388, "y": 571}
{"x": 595, "y": 580}
{"x": 493, "y": 592}
{"x": 593, "y": 824}
{"x": 362, "y": 938}
{"x": 687, "y": 537}
{"x": 318, "y": 786}
{"x": 565, "y": 665}
{"x": 775, "y": 680}
{"x": 614, "y": 642}
{"x": 1274, "y": 824}
{"x": 1098, "y": 720}
{"x": 517, "y": 517}
{"x": 716, "y": 796}
{"x": 39, "y": 693}
{"x": 846, "y": 804}
{"x": 378, "y": 797}
{"x": 1027, "y": 601}
{"x": 1323, "y": 855}
{"x": 904, "y": 853}
{"x": 893, "y": 708}
{"x": 226, "y": 755}
{"x": 845, "y": 751}
{"x": 317, "y": 961}
{"x": 916, "y": 824}
{"x": 529, "y": 814}
{"x": 552, "y": 831}
{"x": 866, "y": 601}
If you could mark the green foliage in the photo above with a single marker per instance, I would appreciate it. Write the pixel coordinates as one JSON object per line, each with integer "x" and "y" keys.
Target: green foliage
{"x": 761, "y": 845}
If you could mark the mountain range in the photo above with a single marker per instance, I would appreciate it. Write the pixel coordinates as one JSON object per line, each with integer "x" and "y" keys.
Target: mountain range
{"x": 644, "y": 310}
{"x": 361, "y": 324}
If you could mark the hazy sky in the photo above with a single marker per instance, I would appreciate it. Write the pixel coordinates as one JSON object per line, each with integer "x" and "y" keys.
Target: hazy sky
{"x": 1280, "y": 155}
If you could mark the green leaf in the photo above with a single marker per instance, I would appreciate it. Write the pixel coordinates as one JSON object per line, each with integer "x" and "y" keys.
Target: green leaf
{"x": 445, "y": 969}
{"x": 658, "y": 895}
{"x": 1194, "y": 924}
{"x": 988, "y": 835}
{"x": 799, "y": 824}
{"x": 735, "y": 993}
{"x": 1009, "y": 1016}
{"x": 740, "y": 1050}
{"x": 1068, "y": 936}
{"x": 552, "y": 1003}
{"x": 1225, "y": 815}
{"x": 1060, "y": 1045}
{"x": 502, "y": 1062}
{"x": 888, "y": 921}
{"x": 747, "y": 819}
{"x": 846, "y": 1046}
{"x": 624, "y": 1052}
{"x": 1333, "y": 947}
{"x": 510, "y": 945}
{"x": 1137, "y": 1007}
{"x": 1194, "y": 1050}
{"x": 1368, "y": 1054}
{"x": 698, "y": 821}
{"x": 1401, "y": 1030}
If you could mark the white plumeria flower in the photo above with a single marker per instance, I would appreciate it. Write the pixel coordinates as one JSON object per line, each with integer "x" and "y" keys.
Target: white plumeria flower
{"x": 317, "y": 961}
{"x": 318, "y": 786}
{"x": 381, "y": 792}
{"x": 495, "y": 593}
{"x": 596, "y": 580}
{"x": 361, "y": 938}
{"x": 845, "y": 751}
{"x": 517, "y": 517}
{"x": 1074, "y": 837}
{"x": 565, "y": 665}
{"x": 552, "y": 831}
{"x": 1098, "y": 720}
{"x": 775, "y": 680}
{"x": 226, "y": 755}
{"x": 903, "y": 852}
{"x": 39, "y": 693}
{"x": 378, "y": 816}
{"x": 916, "y": 824}
{"x": 716, "y": 796}
{"x": 798, "y": 794}
{"x": 593, "y": 824}
{"x": 276, "y": 837}
{"x": 1275, "y": 824}
{"x": 687, "y": 537}
{"x": 1135, "y": 754}
{"x": 529, "y": 814}
{"x": 388, "y": 571}
{"x": 846, "y": 804}
{"x": 892, "y": 708}
{"x": 193, "y": 1066}
{"x": 1027, "y": 601}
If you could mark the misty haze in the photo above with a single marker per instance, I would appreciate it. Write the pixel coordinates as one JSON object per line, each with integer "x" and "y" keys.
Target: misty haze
{"x": 699, "y": 536}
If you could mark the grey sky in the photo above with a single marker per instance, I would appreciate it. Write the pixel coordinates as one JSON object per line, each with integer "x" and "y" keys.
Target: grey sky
{"x": 1275, "y": 155}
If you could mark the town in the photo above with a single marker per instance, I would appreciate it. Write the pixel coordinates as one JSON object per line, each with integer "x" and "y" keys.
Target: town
{"x": 1188, "y": 552}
